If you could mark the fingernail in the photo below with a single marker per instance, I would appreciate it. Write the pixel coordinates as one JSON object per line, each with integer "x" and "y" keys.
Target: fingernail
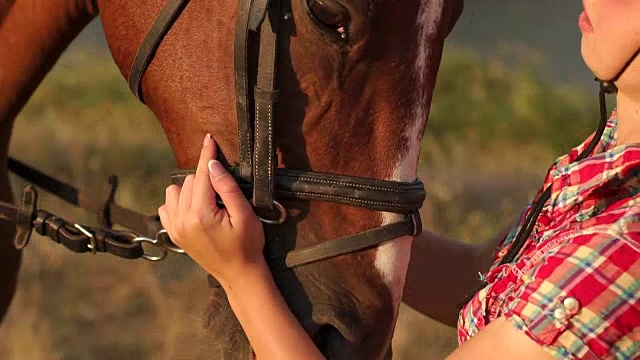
{"x": 207, "y": 139}
{"x": 215, "y": 168}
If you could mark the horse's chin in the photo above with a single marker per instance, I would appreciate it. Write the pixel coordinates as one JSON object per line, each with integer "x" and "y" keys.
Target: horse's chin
{"x": 334, "y": 330}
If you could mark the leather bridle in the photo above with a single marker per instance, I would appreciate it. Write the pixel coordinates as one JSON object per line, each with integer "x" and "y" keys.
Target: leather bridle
{"x": 257, "y": 173}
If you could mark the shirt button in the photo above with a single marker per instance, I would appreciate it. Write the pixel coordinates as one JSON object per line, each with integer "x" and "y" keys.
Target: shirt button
{"x": 560, "y": 314}
{"x": 571, "y": 304}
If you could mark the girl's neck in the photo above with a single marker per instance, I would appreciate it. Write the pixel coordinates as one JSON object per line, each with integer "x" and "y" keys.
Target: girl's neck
{"x": 628, "y": 112}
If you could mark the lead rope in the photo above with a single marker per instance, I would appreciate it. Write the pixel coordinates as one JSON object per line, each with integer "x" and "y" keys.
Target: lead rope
{"x": 606, "y": 87}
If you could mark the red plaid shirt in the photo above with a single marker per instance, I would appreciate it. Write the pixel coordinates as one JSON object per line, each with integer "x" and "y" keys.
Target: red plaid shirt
{"x": 574, "y": 288}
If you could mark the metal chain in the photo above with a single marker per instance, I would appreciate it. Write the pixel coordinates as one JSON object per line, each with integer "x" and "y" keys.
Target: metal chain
{"x": 81, "y": 238}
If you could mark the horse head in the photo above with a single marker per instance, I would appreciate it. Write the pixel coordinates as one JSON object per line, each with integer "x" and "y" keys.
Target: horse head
{"x": 355, "y": 80}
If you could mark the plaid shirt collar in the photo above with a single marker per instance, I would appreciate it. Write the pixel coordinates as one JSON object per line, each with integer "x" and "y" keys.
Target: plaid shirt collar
{"x": 575, "y": 183}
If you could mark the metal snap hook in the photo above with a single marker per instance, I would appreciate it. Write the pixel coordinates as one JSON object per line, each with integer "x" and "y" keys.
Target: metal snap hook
{"x": 154, "y": 242}
{"x": 164, "y": 241}
{"x": 279, "y": 220}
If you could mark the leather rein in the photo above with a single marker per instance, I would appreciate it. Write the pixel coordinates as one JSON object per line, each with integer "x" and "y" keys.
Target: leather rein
{"x": 257, "y": 173}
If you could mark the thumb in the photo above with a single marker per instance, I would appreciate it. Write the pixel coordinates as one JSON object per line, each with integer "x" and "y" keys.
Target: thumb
{"x": 227, "y": 187}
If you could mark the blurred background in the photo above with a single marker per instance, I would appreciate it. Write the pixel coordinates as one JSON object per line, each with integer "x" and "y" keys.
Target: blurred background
{"x": 512, "y": 95}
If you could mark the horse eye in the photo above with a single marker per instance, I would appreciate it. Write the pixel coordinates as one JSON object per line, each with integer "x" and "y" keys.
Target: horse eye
{"x": 332, "y": 17}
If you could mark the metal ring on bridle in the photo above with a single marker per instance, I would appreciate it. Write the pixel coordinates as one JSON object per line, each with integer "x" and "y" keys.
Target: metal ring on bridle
{"x": 278, "y": 221}
{"x": 154, "y": 242}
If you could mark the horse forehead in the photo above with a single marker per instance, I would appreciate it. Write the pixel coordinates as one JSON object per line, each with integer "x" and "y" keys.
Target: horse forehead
{"x": 434, "y": 8}
{"x": 392, "y": 258}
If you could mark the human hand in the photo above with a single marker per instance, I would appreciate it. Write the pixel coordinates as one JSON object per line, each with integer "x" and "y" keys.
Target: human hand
{"x": 224, "y": 242}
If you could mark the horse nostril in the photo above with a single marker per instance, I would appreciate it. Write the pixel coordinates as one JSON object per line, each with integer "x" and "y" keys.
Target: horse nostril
{"x": 330, "y": 341}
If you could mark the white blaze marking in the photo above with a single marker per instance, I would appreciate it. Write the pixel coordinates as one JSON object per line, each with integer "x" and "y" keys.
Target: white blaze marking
{"x": 392, "y": 258}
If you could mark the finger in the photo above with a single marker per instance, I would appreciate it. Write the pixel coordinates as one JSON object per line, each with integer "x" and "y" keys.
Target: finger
{"x": 172, "y": 196}
{"x": 167, "y": 222}
{"x": 165, "y": 219}
{"x": 184, "y": 203}
{"x": 226, "y": 186}
{"x": 204, "y": 196}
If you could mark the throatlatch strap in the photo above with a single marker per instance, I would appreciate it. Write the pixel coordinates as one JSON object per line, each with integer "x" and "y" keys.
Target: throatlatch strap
{"x": 159, "y": 29}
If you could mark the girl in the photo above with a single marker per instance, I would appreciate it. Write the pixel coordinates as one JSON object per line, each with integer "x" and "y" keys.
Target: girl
{"x": 563, "y": 283}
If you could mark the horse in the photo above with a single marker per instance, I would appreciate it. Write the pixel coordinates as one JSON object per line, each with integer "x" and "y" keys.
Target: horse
{"x": 355, "y": 81}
